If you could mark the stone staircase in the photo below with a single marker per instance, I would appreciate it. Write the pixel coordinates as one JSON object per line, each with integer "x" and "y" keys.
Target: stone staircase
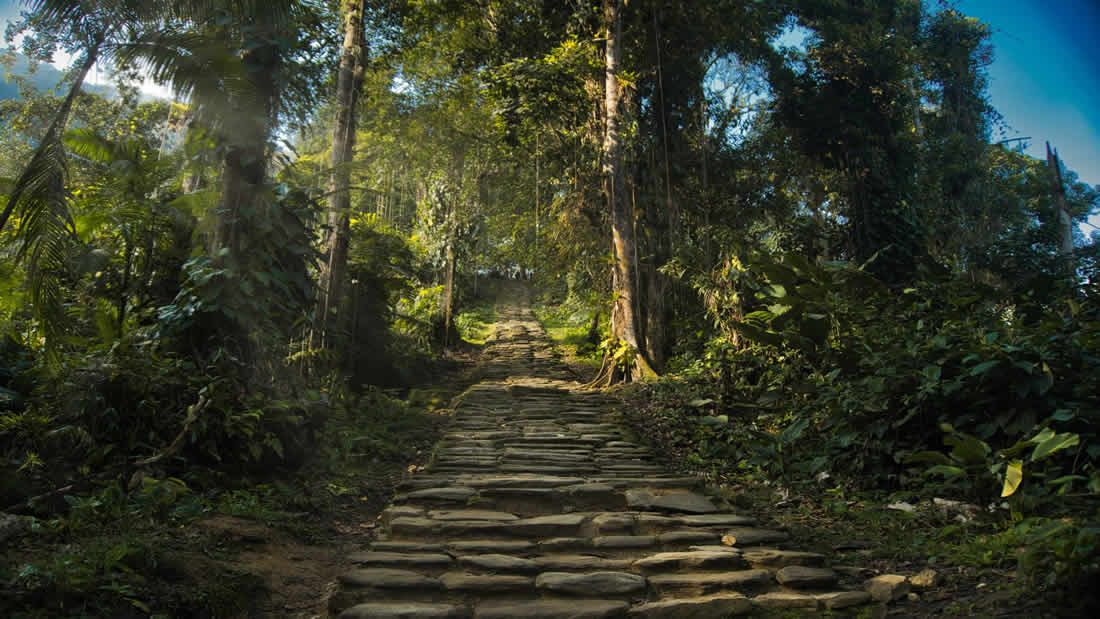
{"x": 535, "y": 506}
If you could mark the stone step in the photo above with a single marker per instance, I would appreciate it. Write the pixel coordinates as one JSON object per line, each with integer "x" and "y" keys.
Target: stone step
{"x": 537, "y": 505}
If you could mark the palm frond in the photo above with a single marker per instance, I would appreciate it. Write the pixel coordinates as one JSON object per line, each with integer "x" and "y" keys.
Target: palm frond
{"x": 190, "y": 62}
{"x": 47, "y": 233}
{"x": 84, "y": 142}
{"x": 58, "y": 10}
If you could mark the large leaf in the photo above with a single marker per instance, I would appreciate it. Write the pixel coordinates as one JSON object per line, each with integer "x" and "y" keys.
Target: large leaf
{"x": 1014, "y": 475}
{"x": 1053, "y": 444}
{"x": 983, "y": 367}
{"x": 946, "y": 471}
{"x": 968, "y": 449}
{"x": 758, "y": 335}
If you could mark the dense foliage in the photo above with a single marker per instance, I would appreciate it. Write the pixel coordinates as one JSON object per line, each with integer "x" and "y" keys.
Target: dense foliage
{"x": 796, "y": 211}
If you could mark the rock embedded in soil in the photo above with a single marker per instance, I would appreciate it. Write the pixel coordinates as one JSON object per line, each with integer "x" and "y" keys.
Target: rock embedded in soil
{"x": 924, "y": 579}
{"x": 843, "y": 599}
{"x": 887, "y": 588}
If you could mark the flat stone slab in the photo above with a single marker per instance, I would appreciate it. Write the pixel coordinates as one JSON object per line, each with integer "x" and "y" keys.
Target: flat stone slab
{"x": 526, "y": 481}
{"x": 590, "y": 583}
{"x": 553, "y": 609}
{"x": 557, "y": 544}
{"x": 406, "y": 610}
{"x": 400, "y": 559}
{"x": 703, "y": 583}
{"x": 566, "y": 563}
{"x": 688, "y": 537}
{"x": 471, "y": 514}
{"x": 697, "y": 559}
{"x": 421, "y": 527}
{"x": 387, "y": 546}
{"x": 484, "y": 583}
{"x": 612, "y": 523}
{"x": 498, "y": 563}
{"x": 749, "y": 536}
{"x": 543, "y": 526}
{"x": 781, "y": 599}
{"x": 688, "y": 502}
{"x": 772, "y": 557}
{"x": 704, "y": 607}
{"x": 489, "y": 546}
{"x": 560, "y": 455}
{"x": 397, "y": 511}
{"x": 716, "y": 520}
{"x": 454, "y": 494}
{"x": 386, "y": 578}
{"x": 801, "y": 577}
{"x": 843, "y": 599}
{"x": 624, "y": 541}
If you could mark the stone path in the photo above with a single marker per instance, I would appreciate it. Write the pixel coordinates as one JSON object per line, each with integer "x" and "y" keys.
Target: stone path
{"x": 535, "y": 506}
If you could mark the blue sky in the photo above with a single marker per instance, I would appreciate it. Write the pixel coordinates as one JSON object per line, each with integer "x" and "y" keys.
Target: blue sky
{"x": 1044, "y": 55}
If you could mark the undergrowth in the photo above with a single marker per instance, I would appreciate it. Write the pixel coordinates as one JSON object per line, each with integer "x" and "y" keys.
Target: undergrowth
{"x": 823, "y": 380}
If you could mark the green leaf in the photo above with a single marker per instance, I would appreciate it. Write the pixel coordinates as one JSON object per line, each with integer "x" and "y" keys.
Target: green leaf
{"x": 1062, "y": 414}
{"x": 778, "y": 309}
{"x": 946, "y": 471}
{"x": 1014, "y": 475}
{"x": 718, "y": 420}
{"x": 983, "y": 367}
{"x": 1042, "y": 383}
{"x": 970, "y": 450}
{"x": 1053, "y": 444}
{"x": 700, "y": 402}
{"x": 1065, "y": 479}
{"x": 1043, "y": 435}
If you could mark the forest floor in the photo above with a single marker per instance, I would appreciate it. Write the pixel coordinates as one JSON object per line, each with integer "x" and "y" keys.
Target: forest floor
{"x": 296, "y": 561}
{"x": 263, "y": 550}
{"x": 281, "y": 558}
{"x": 855, "y": 527}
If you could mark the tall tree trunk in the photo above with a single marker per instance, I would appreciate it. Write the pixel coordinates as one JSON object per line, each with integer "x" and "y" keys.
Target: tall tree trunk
{"x": 448, "y": 288}
{"x": 348, "y": 85}
{"x": 1065, "y": 222}
{"x": 624, "y": 323}
{"x": 246, "y": 156}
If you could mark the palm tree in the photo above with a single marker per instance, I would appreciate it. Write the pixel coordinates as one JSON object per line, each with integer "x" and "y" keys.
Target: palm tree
{"x": 226, "y": 56}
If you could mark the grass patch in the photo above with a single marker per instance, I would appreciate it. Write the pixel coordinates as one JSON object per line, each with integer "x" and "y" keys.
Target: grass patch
{"x": 475, "y": 321}
{"x": 568, "y": 328}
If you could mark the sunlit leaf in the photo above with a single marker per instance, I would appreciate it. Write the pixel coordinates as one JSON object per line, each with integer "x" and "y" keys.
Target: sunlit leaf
{"x": 1053, "y": 444}
{"x": 1014, "y": 475}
